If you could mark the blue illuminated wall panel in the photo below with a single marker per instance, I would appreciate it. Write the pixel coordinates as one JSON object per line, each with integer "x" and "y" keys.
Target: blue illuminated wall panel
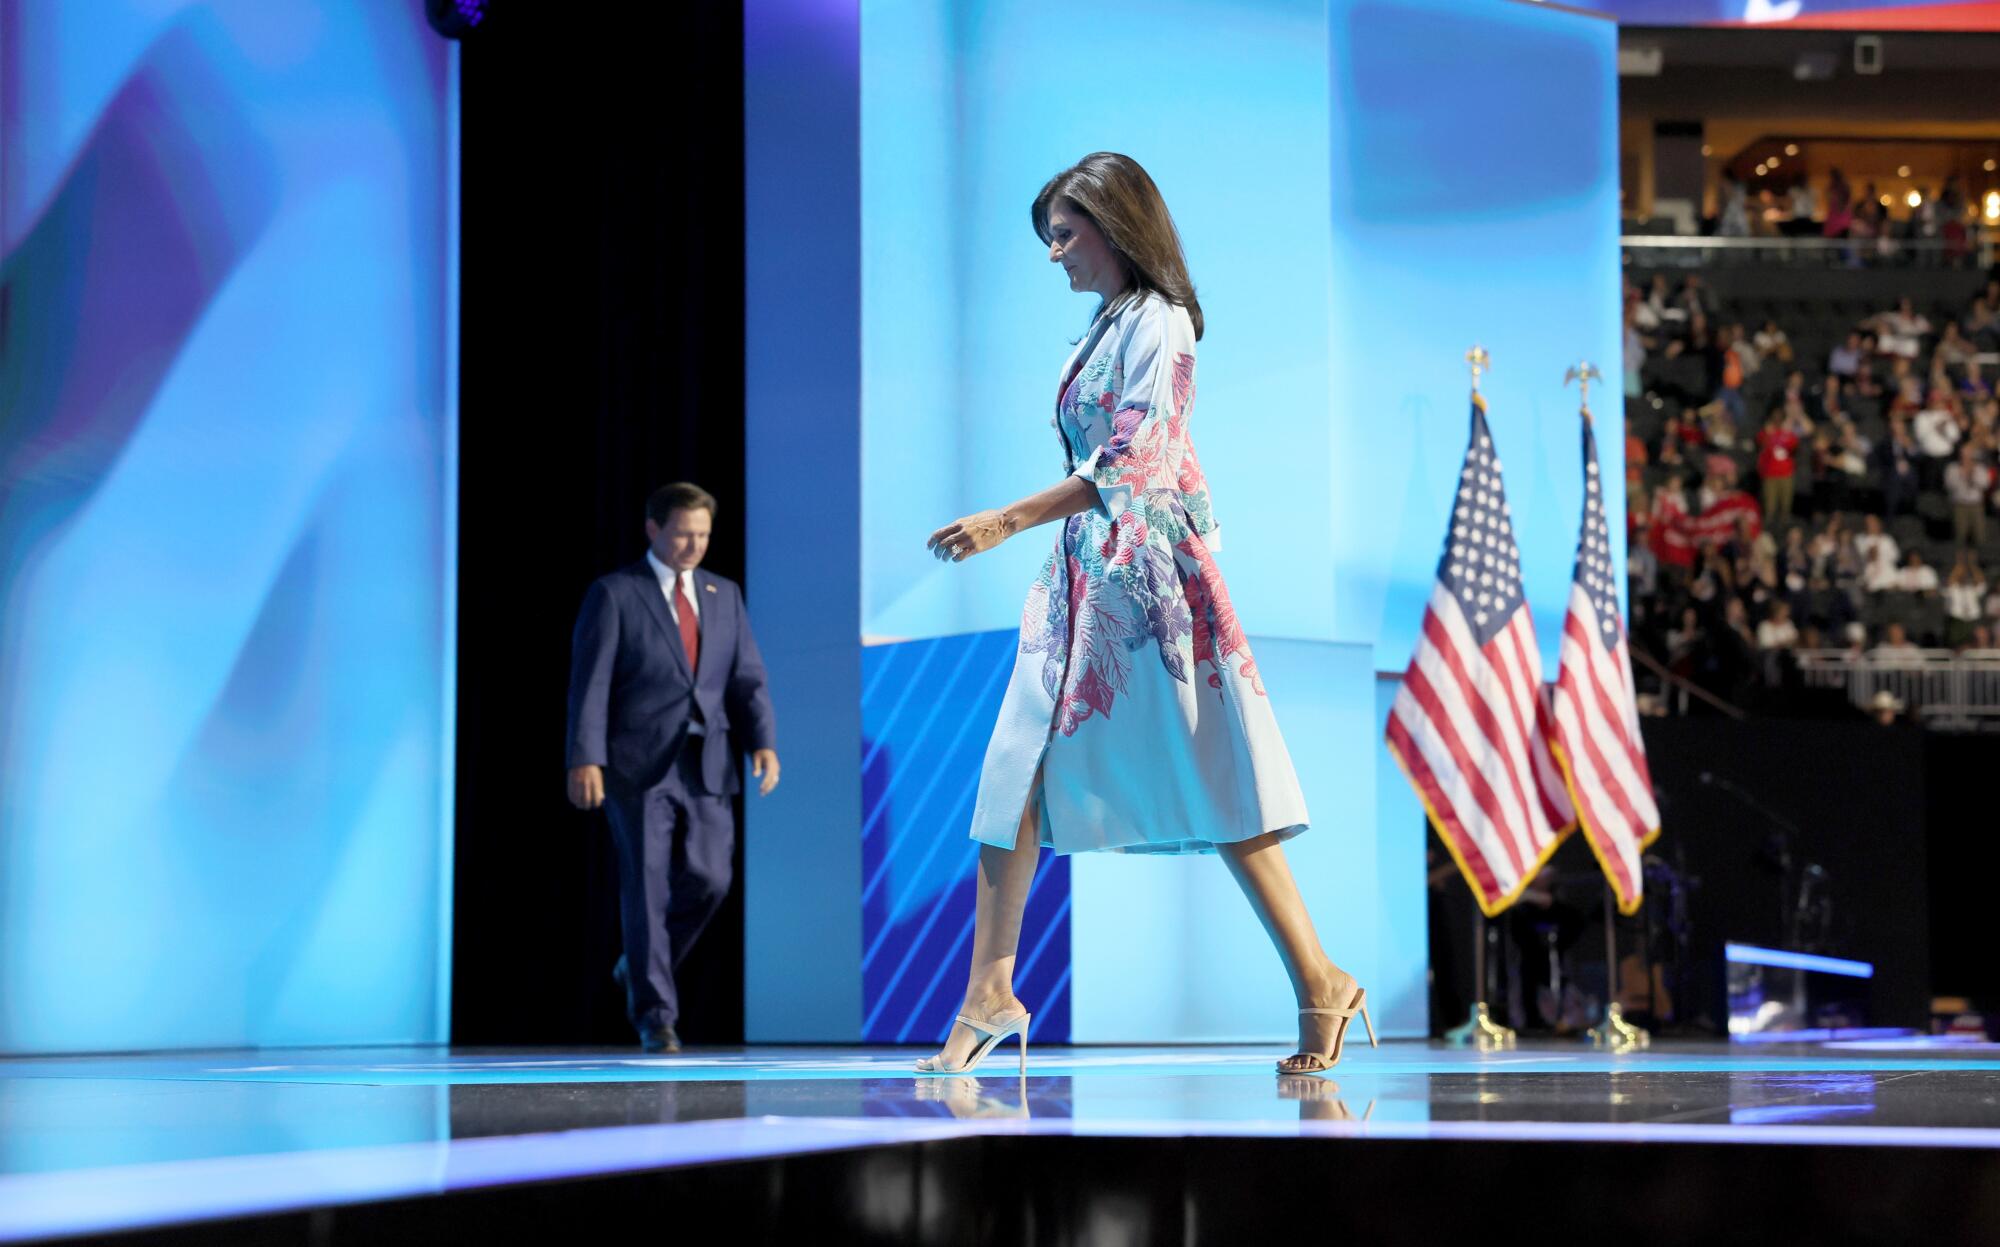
{"x": 1365, "y": 188}
{"x": 1474, "y": 155}
{"x": 226, "y": 544}
{"x": 927, "y": 708}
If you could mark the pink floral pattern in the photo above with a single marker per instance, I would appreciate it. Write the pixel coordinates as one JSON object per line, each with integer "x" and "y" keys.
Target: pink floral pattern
{"x": 1139, "y": 573}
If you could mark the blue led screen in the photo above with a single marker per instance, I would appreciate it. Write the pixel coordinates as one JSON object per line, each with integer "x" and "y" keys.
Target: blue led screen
{"x": 1365, "y": 189}
{"x": 227, "y": 482}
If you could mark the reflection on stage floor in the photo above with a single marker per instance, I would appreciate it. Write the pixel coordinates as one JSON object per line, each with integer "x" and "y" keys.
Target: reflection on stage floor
{"x": 103, "y": 1142}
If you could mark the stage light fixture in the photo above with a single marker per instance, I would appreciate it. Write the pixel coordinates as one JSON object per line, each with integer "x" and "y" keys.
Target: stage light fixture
{"x": 455, "y": 19}
{"x": 1902, "y": 171}
{"x": 1915, "y": 199}
{"x": 1991, "y": 164}
{"x": 1791, "y": 149}
{"x": 1992, "y": 206}
{"x": 1706, "y": 150}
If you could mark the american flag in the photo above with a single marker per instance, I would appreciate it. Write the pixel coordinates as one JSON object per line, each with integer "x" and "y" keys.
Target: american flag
{"x": 1466, "y": 724}
{"x": 1594, "y": 721}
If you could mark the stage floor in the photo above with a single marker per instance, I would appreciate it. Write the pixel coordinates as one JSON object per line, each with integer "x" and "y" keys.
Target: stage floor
{"x": 115, "y": 1142}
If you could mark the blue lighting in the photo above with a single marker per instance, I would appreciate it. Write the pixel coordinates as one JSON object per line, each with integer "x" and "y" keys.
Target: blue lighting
{"x": 1752, "y": 955}
{"x": 227, "y": 553}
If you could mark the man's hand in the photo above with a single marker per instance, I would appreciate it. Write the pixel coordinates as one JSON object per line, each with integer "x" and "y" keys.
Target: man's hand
{"x": 586, "y": 786}
{"x": 764, "y": 764}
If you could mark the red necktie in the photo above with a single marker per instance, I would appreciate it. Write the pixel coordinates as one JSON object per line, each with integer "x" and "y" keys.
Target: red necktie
{"x": 690, "y": 630}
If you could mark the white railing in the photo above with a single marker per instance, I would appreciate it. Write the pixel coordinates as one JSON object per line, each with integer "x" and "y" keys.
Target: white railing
{"x": 1946, "y": 689}
{"x": 1702, "y": 249}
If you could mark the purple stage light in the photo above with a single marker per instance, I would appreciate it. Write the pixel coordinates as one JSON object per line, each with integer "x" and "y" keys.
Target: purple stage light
{"x": 455, "y": 19}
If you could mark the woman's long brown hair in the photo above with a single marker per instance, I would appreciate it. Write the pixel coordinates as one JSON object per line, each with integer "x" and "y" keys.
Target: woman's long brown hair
{"x": 1120, "y": 199}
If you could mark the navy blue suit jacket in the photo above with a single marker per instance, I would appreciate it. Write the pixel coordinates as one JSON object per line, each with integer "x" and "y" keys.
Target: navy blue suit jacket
{"x": 631, "y": 694}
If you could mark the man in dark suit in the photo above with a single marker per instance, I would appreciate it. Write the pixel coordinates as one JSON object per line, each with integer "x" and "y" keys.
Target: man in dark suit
{"x": 666, "y": 691}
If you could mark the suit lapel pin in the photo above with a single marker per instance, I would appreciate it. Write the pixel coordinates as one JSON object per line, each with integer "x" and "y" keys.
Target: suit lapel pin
{"x": 710, "y": 588}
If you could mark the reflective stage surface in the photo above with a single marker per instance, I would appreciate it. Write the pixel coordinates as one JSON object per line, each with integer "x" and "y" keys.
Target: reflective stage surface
{"x": 103, "y": 1143}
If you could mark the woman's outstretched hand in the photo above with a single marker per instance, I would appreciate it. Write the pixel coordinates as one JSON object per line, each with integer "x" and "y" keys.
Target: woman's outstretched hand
{"x": 961, "y": 539}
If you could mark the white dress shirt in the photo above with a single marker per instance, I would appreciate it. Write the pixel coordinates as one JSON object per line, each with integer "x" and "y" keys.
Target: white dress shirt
{"x": 681, "y": 595}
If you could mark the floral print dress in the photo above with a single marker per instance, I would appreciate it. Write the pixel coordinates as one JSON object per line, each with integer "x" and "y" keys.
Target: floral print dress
{"x": 1134, "y": 692}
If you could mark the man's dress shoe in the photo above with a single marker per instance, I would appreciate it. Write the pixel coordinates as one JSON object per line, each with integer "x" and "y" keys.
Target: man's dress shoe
{"x": 659, "y": 1039}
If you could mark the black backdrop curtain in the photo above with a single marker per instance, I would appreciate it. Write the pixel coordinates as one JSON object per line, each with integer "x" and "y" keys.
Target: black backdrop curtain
{"x": 600, "y": 356}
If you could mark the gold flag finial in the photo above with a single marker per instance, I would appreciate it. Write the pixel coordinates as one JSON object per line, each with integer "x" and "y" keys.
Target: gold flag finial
{"x": 1583, "y": 373}
{"x": 1480, "y": 361}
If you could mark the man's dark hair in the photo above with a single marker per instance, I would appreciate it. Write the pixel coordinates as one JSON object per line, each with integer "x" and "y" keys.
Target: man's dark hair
{"x": 679, "y": 496}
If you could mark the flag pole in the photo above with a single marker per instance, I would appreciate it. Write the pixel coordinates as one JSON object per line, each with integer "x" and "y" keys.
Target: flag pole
{"x": 1612, "y": 1030}
{"x": 1479, "y": 1030}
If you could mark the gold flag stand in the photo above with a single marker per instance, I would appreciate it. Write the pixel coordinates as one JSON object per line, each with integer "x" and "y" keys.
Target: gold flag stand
{"x": 1612, "y": 1032}
{"x": 1480, "y": 1030}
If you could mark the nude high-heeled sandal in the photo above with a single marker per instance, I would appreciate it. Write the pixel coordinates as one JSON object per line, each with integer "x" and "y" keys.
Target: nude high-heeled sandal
{"x": 990, "y": 1035}
{"x": 1327, "y": 1060}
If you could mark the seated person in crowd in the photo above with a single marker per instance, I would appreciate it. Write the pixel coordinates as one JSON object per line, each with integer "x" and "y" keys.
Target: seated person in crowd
{"x": 1897, "y": 456}
{"x": 1982, "y": 324}
{"x": 1917, "y": 576}
{"x": 1660, "y": 305}
{"x": 1900, "y": 331}
{"x": 1684, "y": 642}
{"x": 1846, "y": 359}
{"x": 1874, "y": 539}
{"x": 1966, "y": 483}
{"x": 1832, "y": 399}
{"x": 1909, "y": 398}
{"x": 1866, "y": 383}
{"x": 1953, "y": 348}
{"x": 1882, "y": 575}
{"x": 1778, "y": 631}
{"x": 1895, "y": 644}
{"x": 1975, "y": 388}
{"x": 1937, "y": 433}
{"x": 1772, "y": 343}
{"x": 1964, "y": 601}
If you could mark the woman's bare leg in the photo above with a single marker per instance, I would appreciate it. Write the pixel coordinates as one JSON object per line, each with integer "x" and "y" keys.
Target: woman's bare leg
{"x": 1266, "y": 879}
{"x": 1005, "y": 876}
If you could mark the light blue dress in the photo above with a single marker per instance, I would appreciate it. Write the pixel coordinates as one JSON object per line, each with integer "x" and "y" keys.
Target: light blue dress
{"x": 1134, "y": 690}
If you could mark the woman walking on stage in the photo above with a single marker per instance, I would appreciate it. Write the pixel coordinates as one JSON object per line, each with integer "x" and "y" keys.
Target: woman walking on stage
{"x": 1136, "y": 720}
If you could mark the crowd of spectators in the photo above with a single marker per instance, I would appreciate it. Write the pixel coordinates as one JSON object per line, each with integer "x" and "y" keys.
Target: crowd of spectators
{"x": 1868, "y": 527}
{"x": 1943, "y": 213}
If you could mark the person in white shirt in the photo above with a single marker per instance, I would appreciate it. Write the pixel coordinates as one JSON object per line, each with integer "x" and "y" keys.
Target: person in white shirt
{"x": 1778, "y": 631}
{"x": 1966, "y": 483}
{"x": 1872, "y": 540}
{"x": 1771, "y": 341}
{"x": 1936, "y": 429}
{"x": 1881, "y": 574}
{"x": 1917, "y": 576}
{"x": 1895, "y": 644}
{"x": 1901, "y": 331}
{"x": 1805, "y": 206}
{"x": 1964, "y": 600}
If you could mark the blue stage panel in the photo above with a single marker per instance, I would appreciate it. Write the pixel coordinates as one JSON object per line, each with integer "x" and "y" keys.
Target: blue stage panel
{"x": 226, "y": 544}
{"x": 927, "y": 709}
{"x": 1474, "y": 162}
